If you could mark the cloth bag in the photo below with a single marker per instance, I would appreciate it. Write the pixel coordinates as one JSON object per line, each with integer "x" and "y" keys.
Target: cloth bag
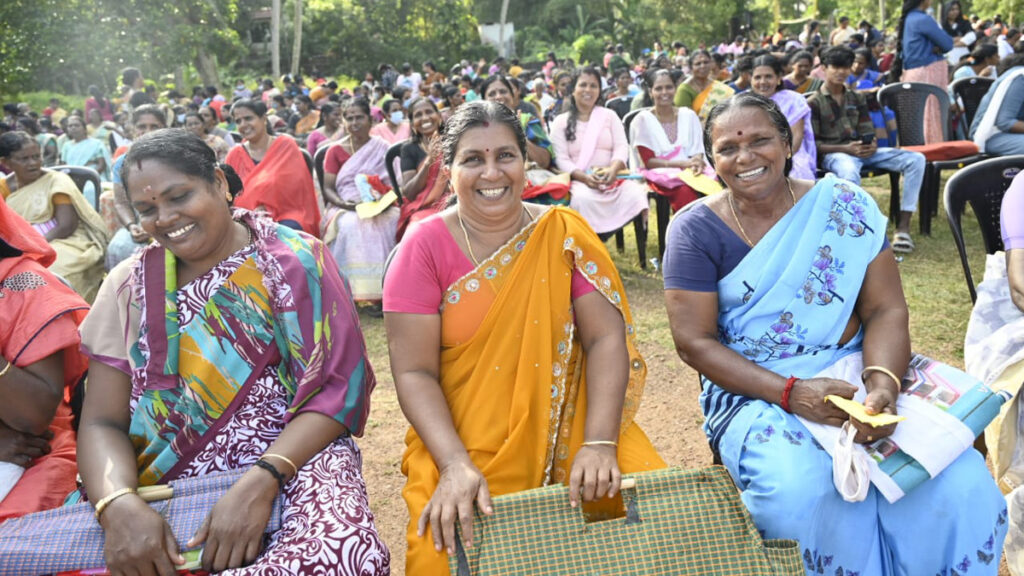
{"x": 676, "y": 522}
{"x": 69, "y": 538}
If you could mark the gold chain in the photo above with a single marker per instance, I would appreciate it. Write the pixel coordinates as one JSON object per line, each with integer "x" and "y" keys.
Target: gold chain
{"x": 458, "y": 214}
{"x": 732, "y": 208}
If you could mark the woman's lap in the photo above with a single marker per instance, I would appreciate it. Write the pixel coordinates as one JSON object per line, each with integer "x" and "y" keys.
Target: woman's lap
{"x": 1005, "y": 144}
{"x": 786, "y": 479}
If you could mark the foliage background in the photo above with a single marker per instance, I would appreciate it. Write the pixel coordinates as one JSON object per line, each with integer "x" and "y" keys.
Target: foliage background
{"x": 66, "y": 45}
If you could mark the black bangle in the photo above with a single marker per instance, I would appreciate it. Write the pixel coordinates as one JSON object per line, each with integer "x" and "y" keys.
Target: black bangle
{"x": 273, "y": 471}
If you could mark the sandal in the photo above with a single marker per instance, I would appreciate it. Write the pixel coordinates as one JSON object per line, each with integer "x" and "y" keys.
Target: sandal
{"x": 902, "y": 243}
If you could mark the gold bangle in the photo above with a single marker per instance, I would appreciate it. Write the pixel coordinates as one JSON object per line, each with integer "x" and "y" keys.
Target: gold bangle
{"x": 600, "y": 443}
{"x": 285, "y": 459}
{"x": 104, "y": 502}
{"x": 6, "y": 368}
{"x": 883, "y": 370}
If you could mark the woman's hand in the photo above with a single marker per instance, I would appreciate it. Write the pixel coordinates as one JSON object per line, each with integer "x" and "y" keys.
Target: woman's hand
{"x": 137, "y": 540}
{"x": 21, "y": 448}
{"x": 138, "y": 234}
{"x": 461, "y": 484}
{"x": 808, "y": 400}
{"x": 233, "y": 530}
{"x": 879, "y": 400}
{"x": 595, "y": 474}
{"x": 590, "y": 180}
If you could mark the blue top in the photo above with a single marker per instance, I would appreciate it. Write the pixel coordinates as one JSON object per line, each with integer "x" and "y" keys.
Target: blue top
{"x": 1011, "y": 108}
{"x": 921, "y": 34}
{"x": 707, "y": 251}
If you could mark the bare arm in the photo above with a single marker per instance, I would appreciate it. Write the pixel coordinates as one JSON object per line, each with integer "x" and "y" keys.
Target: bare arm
{"x": 798, "y": 134}
{"x": 67, "y": 222}
{"x": 539, "y": 155}
{"x": 1015, "y": 274}
{"x": 331, "y": 192}
{"x": 414, "y": 181}
{"x": 31, "y": 394}
{"x": 123, "y": 208}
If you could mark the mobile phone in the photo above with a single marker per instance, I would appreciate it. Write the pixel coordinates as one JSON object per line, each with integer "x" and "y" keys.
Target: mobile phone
{"x": 866, "y": 139}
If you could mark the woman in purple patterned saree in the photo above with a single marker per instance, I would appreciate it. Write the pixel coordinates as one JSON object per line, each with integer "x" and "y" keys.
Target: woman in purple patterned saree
{"x": 231, "y": 344}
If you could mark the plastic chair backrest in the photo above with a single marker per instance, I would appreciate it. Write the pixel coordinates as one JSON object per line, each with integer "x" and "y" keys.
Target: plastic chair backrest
{"x": 394, "y": 151}
{"x": 236, "y": 137}
{"x": 982, "y": 185}
{"x": 970, "y": 91}
{"x": 907, "y": 100}
{"x": 81, "y": 175}
{"x": 318, "y": 163}
{"x": 309, "y": 160}
{"x": 627, "y": 121}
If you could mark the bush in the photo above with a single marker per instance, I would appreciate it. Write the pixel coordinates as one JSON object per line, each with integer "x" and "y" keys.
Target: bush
{"x": 589, "y": 49}
{"x": 38, "y": 101}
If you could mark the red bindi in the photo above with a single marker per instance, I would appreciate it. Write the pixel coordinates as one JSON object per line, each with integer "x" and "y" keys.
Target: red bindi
{"x": 487, "y": 124}
{"x": 739, "y": 132}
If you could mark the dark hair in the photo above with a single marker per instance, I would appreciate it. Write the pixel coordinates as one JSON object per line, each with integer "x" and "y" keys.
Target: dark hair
{"x": 800, "y": 55}
{"x": 864, "y": 53}
{"x": 140, "y": 98}
{"x": 650, "y": 78}
{"x": 570, "y": 101}
{"x": 234, "y": 180}
{"x": 11, "y": 142}
{"x": 983, "y": 52}
{"x": 175, "y": 148}
{"x": 448, "y": 91}
{"x": 1011, "y": 61}
{"x": 257, "y": 107}
{"x": 304, "y": 99}
{"x": 749, "y": 100}
{"x": 151, "y": 110}
{"x": 745, "y": 63}
{"x": 326, "y": 109}
{"x": 771, "y": 62}
{"x": 416, "y": 136}
{"x": 838, "y": 56}
{"x": 695, "y": 53}
{"x": 494, "y": 79}
{"x": 29, "y": 125}
{"x": 387, "y": 104}
{"x": 361, "y": 103}
{"x": 475, "y": 114}
{"x": 130, "y": 75}
{"x": 896, "y": 70}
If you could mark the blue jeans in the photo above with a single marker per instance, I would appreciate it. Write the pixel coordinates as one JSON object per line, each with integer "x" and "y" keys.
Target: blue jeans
{"x": 910, "y": 164}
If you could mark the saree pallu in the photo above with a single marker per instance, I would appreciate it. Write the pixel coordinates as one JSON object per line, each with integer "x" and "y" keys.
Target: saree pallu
{"x": 40, "y": 316}
{"x": 650, "y": 141}
{"x": 361, "y": 245}
{"x": 785, "y": 307}
{"x": 80, "y": 255}
{"x": 936, "y": 74}
{"x": 796, "y": 109}
{"x": 280, "y": 183}
{"x": 430, "y": 201}
{"x": 704, "y": 101}
{"x": 88, "y": 152}
{"x": 514, "y": 374}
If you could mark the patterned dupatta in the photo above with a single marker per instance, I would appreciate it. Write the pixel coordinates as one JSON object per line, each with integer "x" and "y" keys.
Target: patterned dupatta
{"x": 286, "y": 308}
{"x": 787, "y": 303}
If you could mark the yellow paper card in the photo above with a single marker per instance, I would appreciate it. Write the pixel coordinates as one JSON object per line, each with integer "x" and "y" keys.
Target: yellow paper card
{"x": 702, "y": 183}
{"x": 370, "y": 209}
{"x": 860, "y": 412}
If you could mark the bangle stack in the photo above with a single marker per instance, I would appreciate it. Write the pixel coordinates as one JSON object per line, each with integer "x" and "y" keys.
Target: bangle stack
{"x": 869, "y": 369}
{"x": 105, "y": 501}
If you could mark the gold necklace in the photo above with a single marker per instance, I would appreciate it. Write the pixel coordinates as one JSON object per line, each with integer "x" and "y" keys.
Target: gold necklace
{"x": 465, "y": 234}
{"x": 735, "y": 216}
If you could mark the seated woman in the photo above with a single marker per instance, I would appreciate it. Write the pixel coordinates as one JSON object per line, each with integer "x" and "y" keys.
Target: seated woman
{"x": 194, "y": 123}
{"x": 667, "y": 140}
{"x": 40, "y": 366}
{"x": 768, "y": 287}
{"x": 799, "y": 79}
{"x": 495, "y": 394}
{"x": 330, "y": 130}
{"x": 868, "y": 82}
{"x": 276, "y": 178}
{"x": 998, "y": 127}
{"x": 394, "y": 128}
{"x": 701, "y": 91}
{"x": 253, "y": 362}
{"x": 46, "y": 141}
{"x": 81, "y": 150}
{"x": 539, "y": 151}
{"x": 352, "y": 169}
{"x": 993, "y": 354}
{"x": 767, "y": 81}
{"x": 55, "y": 207}
{"x": 590, "y": 144}
{"x": 423, "y": 184}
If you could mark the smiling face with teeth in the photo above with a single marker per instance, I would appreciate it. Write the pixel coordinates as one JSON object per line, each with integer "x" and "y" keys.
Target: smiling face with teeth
{"x": 488, "y": 174}
{"x": 749, "y": 153}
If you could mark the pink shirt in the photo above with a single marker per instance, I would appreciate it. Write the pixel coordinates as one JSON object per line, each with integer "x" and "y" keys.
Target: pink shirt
{"x": 427, "y": 262}
{"x": 383, "y": 131}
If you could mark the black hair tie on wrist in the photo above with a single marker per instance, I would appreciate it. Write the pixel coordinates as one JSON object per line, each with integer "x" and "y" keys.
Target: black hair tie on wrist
{"x": 273, "y": 471}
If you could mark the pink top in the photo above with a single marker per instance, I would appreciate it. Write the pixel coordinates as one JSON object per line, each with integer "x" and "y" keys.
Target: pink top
{"x": 383, "y": 131}
{"x": 610, "y": 142}
{"x": 427, "y": 262}
{"x": 1011, "y": 217}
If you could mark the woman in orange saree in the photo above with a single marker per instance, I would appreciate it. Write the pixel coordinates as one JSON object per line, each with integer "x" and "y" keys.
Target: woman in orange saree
{"x": 516, "y": 371}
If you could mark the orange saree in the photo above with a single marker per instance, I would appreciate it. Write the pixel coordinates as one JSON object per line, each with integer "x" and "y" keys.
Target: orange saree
{"x": 514, "y": 373}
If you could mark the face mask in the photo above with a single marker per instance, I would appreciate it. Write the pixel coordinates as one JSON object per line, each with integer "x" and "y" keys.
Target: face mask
{"x": 397, "y": 117}
{"x": 295, "y": 108}
{"x": 181, "y": 118}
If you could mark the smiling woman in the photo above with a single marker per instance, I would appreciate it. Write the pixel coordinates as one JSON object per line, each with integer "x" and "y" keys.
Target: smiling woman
{"x": 253, "y": 361}
{"x": 501, "y": 318}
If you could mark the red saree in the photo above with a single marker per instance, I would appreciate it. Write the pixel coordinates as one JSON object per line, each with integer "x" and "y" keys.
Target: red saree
{"x": 281, "y": 184}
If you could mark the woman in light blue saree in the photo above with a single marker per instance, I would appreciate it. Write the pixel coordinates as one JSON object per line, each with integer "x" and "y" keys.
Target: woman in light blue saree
{"x": 81, "y": 150}
{"x": 768, "y": 287}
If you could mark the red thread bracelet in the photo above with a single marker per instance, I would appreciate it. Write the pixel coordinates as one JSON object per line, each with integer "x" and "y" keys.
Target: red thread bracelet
{"x": 790, "y": 382}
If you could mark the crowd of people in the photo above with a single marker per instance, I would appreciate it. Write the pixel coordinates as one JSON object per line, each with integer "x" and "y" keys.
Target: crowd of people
{"x": 209, "y": 292}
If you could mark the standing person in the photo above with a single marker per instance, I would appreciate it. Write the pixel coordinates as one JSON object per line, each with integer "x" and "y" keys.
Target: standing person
{"x": 254, "y": 362}
{"x": 841, "y": 35}
{"x": 842, "y": 124}
{"x": 959, "y": 29}
{"x": 590, "y": 144}
{"x": 501, "y": 318}
{"x": 98, "y": 101}
{"x": 921, "y": 42}
{"x": 701, "y": 91}
{"x": 767, "y": 81}
{"x": 423, "y": 183}
{"x": 395, "y": 128}
{"x": 273, "y": 171}
{"x": 52, "y": 203}
{"x": 355, "y": 172}
{"x": 737, "y": 273}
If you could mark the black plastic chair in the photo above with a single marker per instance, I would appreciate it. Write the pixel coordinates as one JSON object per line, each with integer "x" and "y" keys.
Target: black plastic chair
{"x": 969, "y": 92}
{"x": 318, "y": 164}
{"x": 394, "y": 151}
{"x": 309, "y": 161}
{"x": 907, "y": 101}
{"x": 620, "y": 106}
{"x": 236, "y": 136}
{"x": 982, "y": 185}
{"x": 81, "y": 175}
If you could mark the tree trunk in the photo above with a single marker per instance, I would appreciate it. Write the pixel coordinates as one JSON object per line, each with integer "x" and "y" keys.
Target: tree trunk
{"x": 275, "y": 39}
{"x": 297, "y": 44}
{"x": 206, "y": 64}
{"x": 179, "y": 79}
